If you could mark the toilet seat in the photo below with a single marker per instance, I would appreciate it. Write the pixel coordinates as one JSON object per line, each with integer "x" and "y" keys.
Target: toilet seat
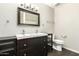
{"x": 58, "y": 41}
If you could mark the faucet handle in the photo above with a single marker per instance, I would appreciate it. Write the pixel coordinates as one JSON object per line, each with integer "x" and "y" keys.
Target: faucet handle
{"x": 23, "y": 31}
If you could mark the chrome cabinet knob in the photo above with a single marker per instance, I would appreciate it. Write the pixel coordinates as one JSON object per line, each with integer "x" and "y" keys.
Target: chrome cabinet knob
{"x": 25, "y": 44}
{"x": 44, "y": 46}
{"x": 44, "y": 40}
{"x": 25, "y": 54}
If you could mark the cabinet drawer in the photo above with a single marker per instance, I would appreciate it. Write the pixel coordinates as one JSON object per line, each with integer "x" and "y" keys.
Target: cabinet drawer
{"x": 43, "y": 39}
{"x": 21, "y": 44}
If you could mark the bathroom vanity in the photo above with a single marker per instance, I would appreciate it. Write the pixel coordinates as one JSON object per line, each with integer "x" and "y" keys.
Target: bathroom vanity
{"x": 24, "y": 45}
{"x": 32, "y": 45}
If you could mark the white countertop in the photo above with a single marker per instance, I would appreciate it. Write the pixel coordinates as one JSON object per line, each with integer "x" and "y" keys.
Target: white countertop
{"x": 22, "y": 36}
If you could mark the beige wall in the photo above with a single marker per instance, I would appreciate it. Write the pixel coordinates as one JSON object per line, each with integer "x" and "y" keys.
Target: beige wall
{"x": 67, "y": 23}
{"x": 9, "y": 12}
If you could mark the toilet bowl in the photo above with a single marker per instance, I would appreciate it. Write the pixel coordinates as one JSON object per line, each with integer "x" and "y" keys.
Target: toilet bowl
{"x": 58, "y": 44}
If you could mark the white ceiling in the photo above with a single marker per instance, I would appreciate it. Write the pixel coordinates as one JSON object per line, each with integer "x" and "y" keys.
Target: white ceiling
{"x": 48, "y": 2}
{"x": 53, "y": 4}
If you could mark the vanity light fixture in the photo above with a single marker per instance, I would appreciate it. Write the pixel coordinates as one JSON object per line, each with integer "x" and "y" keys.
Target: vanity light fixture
{"x": 29, "y": 7}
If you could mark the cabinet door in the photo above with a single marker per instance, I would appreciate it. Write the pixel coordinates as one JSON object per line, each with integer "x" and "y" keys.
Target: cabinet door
{"x": 22, "y": 53}
{"x": 35, "y": 47}
{"x": 22, "y": 47}
{"x": 44, "y": 46}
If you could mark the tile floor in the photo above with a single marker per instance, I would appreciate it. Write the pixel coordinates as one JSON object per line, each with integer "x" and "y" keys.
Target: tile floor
{"x": 65, "y": 52}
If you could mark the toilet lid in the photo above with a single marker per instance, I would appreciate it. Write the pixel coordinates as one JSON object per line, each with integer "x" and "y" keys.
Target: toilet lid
{"x": 59, "y": 41}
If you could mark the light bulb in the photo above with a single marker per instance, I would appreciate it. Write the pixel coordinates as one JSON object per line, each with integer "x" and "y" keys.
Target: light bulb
{"x": 27, "y": 5}
{"x": 32, "y": 7}
{"x": 36, "y": 9}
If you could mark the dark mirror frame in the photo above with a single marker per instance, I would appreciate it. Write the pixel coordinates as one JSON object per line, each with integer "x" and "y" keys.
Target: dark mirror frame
{"x": 27, "y": 11}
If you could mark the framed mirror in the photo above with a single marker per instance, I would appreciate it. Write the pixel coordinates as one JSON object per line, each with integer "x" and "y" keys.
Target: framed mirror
{"x": 26, "y": 17}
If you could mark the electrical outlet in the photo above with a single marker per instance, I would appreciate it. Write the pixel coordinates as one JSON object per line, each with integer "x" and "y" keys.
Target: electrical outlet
{"x": 7, "y": 21}
{"x": 64, "y": 36}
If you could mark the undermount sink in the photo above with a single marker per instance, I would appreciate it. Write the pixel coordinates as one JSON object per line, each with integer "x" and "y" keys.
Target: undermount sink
{"x": 22, "y": 36}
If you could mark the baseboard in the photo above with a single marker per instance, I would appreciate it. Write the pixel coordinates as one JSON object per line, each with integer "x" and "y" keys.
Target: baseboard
{"x": 71, "y": 50}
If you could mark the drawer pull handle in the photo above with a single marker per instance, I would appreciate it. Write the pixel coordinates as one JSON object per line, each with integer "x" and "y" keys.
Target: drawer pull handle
{"x": 25, "y": 54}
{"x": 44, "y": 40}
{"x": 44, "y": 46}
{"x": 25, "y": 44}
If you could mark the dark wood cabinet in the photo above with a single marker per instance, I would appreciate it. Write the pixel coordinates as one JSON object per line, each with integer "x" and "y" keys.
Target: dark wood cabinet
{"x": 36, "y": 46}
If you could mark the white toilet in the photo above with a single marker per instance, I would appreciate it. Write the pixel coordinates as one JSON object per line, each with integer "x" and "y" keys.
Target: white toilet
{"x": 58, "y": 44}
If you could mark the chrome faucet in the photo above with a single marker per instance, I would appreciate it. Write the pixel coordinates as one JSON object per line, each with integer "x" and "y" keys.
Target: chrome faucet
{"x": 36, "y": 31}
{"x": 23, "y": 31}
